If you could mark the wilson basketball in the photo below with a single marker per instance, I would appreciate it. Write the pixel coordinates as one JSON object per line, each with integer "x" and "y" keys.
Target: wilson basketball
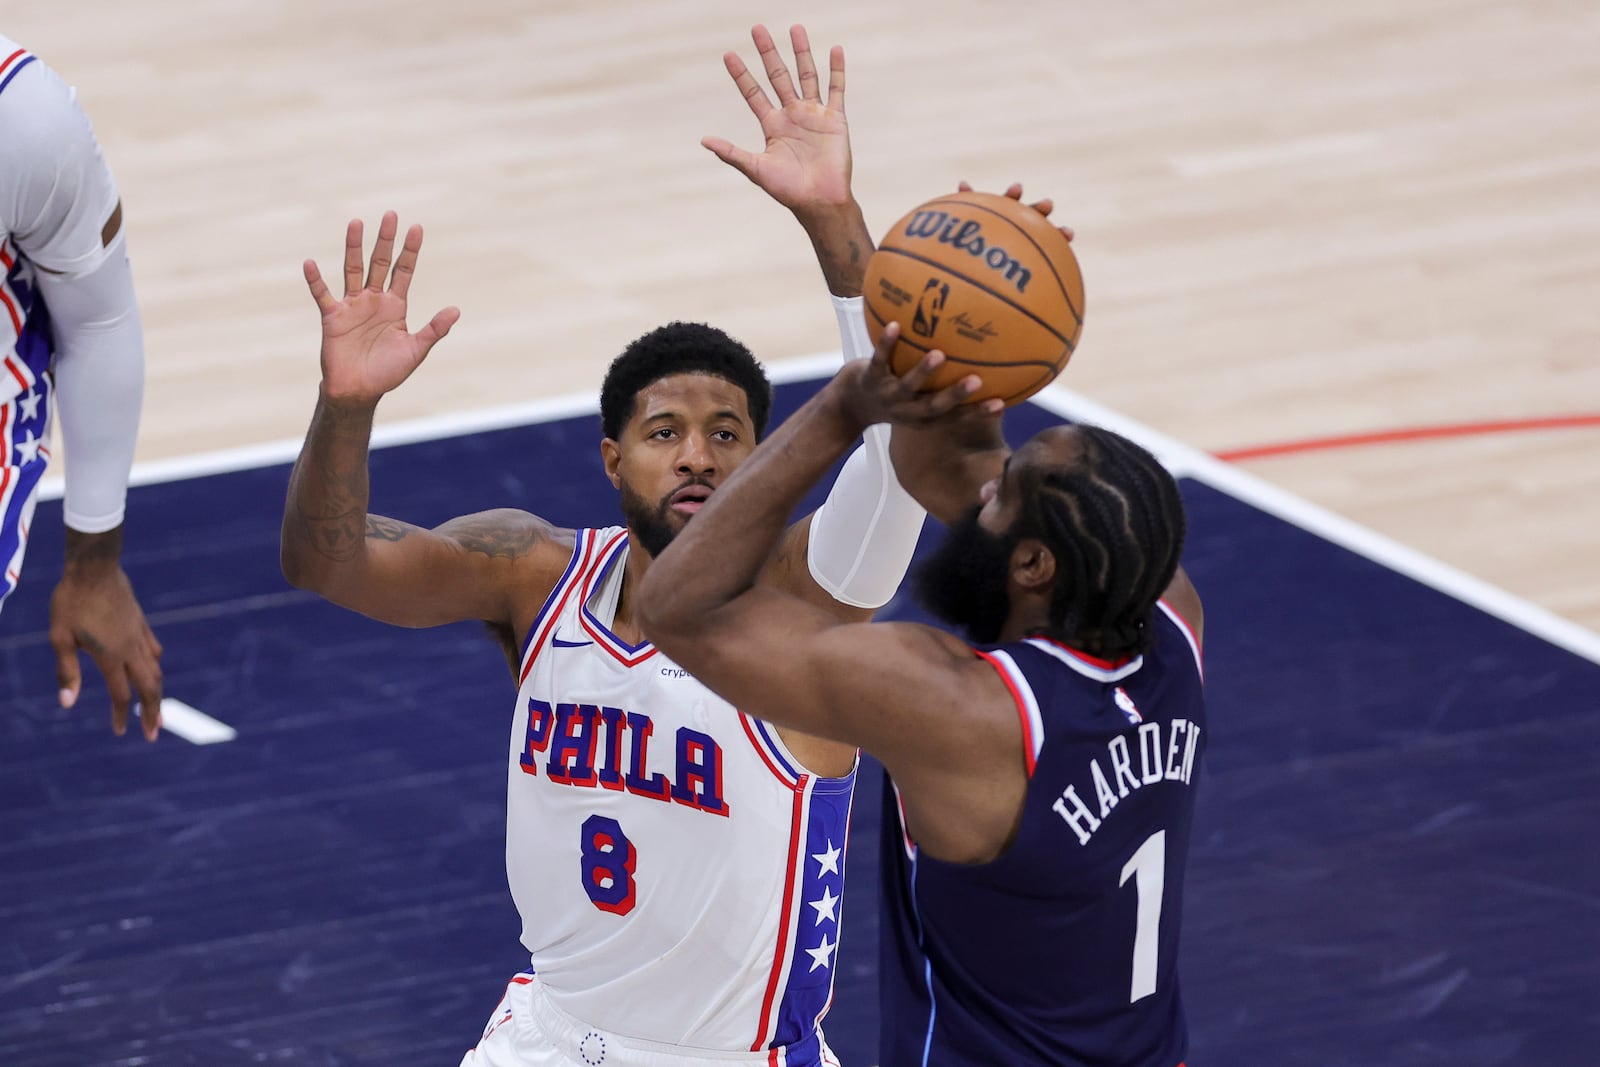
{"x": 989, "y": 282}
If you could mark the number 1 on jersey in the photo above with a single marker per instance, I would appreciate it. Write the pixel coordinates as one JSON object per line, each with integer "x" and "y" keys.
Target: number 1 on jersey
{"x": 1148, "y": 868}
{"x": 608, "y": 862}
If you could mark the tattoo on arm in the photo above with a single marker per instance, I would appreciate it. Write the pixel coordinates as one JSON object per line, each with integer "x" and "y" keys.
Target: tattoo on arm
{"x": 380, "y": 528}
{"x": 507, "y": 534}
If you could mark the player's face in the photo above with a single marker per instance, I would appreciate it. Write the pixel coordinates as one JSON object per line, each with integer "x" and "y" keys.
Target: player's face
{"x": 966, "y": 582}
{"x": 687, "y": 434}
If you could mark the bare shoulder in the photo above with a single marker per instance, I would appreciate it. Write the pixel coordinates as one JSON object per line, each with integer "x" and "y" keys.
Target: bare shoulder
{"x": 1182, "y": 597}
{"x": 535, "y": 550}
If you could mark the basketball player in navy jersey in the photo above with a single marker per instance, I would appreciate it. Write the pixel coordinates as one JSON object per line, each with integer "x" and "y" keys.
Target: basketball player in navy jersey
{"x": 1037, "y": 822}
{"x": 1042, "y": 775}
{"x": 70, "y": 332}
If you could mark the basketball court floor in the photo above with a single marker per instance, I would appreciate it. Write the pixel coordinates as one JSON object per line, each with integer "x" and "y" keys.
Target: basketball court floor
{"x": 1352, "y": 249}
{"x": 1393, "y": 858}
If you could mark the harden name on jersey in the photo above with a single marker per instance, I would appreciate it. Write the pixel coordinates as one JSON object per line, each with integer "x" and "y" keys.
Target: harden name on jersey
{"x": 1151, "y": 758}
{"x": 568, "y": 738}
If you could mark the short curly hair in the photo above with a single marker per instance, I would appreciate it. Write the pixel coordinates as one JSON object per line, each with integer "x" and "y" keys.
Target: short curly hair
{"x": 682, "y": 348}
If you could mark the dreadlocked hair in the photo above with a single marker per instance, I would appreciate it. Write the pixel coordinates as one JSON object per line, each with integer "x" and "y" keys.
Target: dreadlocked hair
{"x": 1115, "y": 525}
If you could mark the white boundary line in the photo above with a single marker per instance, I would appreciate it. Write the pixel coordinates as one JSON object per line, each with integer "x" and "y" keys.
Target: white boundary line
{"x": 1185, "y": 460}
{"x": 1181, "y": 459}
{"x": 192, "y": 724}
{"x": 428, "y": 428}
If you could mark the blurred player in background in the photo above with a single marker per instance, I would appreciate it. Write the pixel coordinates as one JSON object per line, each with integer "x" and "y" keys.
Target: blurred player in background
{"x": 678, "y": 865}
{"x": 69, "y": 325}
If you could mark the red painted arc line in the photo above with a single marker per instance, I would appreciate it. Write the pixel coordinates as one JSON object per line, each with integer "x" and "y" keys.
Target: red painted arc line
{"x": 1418, "y": 433}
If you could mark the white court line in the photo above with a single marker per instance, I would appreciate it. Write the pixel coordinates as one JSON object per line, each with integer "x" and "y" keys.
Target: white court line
{"x": 1183, "y": 460}
{"x": 192, "y": 724}
{"x": 428, "y": 428}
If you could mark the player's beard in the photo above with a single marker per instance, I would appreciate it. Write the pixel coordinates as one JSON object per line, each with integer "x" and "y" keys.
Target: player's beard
{"x": 964, "y": 582}
{"x": 653, "y": 528}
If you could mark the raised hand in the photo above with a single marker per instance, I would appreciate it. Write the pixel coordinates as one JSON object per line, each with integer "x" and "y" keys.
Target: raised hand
{"x": 366, "y": 350}
{"x": 805, "y": 163}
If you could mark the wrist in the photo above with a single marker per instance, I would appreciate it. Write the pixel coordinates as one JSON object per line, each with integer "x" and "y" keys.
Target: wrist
{"x": 346, "y": 404}
{"x": 842, "y": 243}
{"x": 93, "y": 555}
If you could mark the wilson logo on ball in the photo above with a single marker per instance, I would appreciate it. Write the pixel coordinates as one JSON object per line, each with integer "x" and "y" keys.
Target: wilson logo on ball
{"x": 967, "y": 235}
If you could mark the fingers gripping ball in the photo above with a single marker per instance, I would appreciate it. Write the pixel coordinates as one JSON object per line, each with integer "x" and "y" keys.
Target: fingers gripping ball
{"x": 988, "y": 281}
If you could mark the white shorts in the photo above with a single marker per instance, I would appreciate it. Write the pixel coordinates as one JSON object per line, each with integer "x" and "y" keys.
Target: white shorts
{"x": 526, "y": 1030}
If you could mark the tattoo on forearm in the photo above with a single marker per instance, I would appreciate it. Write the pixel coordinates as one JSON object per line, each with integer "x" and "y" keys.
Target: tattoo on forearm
{"x": 843, "y": 268}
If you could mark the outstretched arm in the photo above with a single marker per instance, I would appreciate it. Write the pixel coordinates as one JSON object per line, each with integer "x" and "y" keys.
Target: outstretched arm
{"x": 851, "y": 554}
{"x": 908, "y": 694}
{"x": 469, "y": 568}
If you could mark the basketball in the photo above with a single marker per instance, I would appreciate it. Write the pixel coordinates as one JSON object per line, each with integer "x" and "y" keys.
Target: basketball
{"x": 989, "y": 282}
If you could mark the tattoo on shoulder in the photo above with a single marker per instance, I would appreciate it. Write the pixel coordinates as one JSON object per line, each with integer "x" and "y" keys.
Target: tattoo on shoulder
{"x": 507, "y": 534}
{"x": 383, "y": 529}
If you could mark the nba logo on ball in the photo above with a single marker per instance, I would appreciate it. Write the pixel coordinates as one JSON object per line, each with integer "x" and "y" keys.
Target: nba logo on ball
{"x": 986, "y": 280}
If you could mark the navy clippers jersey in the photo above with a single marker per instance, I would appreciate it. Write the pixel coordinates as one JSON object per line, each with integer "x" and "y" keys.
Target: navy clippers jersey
{"x": 1063, "y": 951}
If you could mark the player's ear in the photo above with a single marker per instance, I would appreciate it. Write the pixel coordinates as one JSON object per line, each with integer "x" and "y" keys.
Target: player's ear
{"x": 1032, "y": 564}
{"x": 611, "y": 456}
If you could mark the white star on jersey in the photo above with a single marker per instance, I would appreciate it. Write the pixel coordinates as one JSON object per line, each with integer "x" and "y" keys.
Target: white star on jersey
{"x": 828, "y": 859}
{"x": 28, "y": 448}
{"x": 820, "y": 955}
{"x": 824, "y": 906}
{"x": 30, "y": 406}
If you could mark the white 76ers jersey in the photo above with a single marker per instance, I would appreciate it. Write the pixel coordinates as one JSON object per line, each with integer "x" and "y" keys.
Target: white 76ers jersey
{"x": 678, "y": 873}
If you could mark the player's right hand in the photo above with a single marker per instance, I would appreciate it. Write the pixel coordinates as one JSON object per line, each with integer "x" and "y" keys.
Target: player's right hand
{"x": 366, "y": 350}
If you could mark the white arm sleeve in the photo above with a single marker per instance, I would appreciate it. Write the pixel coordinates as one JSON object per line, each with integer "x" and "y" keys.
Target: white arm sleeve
{"x": 863, "y": 536}
{"x": 56, "y": 194}
{"x": 99, "y": 385}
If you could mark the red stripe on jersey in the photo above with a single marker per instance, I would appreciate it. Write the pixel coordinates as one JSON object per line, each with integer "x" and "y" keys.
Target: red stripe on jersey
{"x": 781, "y": 955}
{"x": 12, "y": 58}
{"x": 1093, "y": 661}
{"x": 602, "y": 637}
{"x": 1022, "y": 707}
{"x": 16, "y": 317}
{"x": 554, "y": 617}
{"x": 761, "y": 750}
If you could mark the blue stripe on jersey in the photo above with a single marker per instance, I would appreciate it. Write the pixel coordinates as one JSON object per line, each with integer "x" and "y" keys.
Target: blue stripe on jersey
{"x": 24, "y": 477}
{"x": 819, "y": 886}
{"x": 599, "y": 578}
{"x": 927, "y": 967}
{"x": 555, "y": 593}
{"x": 773, "y": 749}
{"x": 15, "y": 71}
{"x": 35, "y": 345}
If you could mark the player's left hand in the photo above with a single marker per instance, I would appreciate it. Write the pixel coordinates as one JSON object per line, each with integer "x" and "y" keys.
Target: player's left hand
{"x": 805, "y": 164}
{"x": 94, "y": 609}
{"x": 874, "y": 393}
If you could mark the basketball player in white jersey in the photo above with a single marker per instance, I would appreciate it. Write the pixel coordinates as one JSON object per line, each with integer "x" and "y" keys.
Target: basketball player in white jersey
{"x": 69, "y": 324}
{"x": 678, "y": 865}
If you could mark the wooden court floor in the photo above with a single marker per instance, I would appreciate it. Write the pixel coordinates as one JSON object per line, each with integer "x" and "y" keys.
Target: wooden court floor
{"x": 1296, "y": 221}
